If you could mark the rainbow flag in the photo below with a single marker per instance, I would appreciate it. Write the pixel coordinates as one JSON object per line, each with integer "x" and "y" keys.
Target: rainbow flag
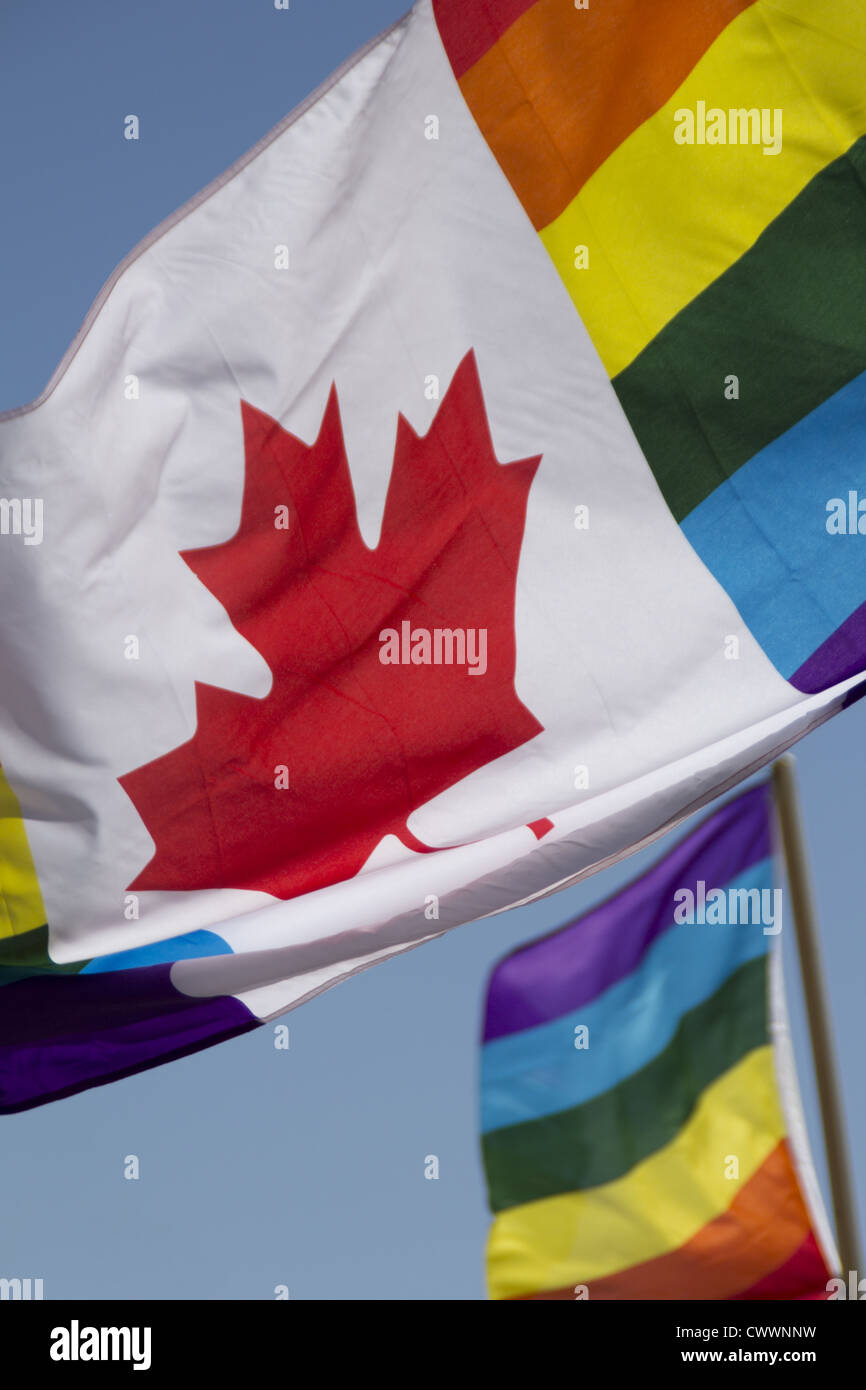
{"x": 642, "y": 1131}
{"x": 496, "y": 514}
{"x": 696, "y": 172}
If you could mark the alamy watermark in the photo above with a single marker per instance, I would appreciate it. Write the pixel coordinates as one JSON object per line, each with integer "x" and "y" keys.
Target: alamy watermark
{"x": 854, "y": 1289}
{"x": 846, "y": 517}
{"x": 438, "y": 646}
{"x": 77, "y": 1343}
{"x": 718, "y": 907}
{"x": 23, "y": 1289}
{"x": 22, "y": 516}
{"x": 741, "y": 125}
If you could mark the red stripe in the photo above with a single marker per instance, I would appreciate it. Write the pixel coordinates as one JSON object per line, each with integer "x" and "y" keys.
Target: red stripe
{"x": 804, "y": 1275}
{"x": 469, "y": 27}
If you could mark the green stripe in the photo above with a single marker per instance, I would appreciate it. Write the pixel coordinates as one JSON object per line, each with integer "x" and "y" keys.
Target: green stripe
{"x": 26, "y": 954}
{"x": 606, "y": 1137}
{"x": 788, "y": 319}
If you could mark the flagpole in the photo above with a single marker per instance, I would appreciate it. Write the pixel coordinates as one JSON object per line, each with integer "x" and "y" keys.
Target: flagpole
{"x": 815, "y": 994}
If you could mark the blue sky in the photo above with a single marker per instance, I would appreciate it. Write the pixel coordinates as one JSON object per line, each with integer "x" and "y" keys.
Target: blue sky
{"x": 262, "y": 1167}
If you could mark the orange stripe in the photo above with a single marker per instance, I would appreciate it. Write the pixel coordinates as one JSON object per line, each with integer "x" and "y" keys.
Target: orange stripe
{"x": 763, "y": 1227}
{"x": 468, "y": 29}
{"x": 562, "y": 88}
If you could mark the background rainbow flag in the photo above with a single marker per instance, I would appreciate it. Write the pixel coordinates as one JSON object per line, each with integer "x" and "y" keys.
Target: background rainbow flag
{"x": 661, "y": 1153}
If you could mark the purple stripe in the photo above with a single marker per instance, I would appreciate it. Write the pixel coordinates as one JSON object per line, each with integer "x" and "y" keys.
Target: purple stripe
{"x": 62, "y": 1034}
{"x": 842, "y": 655}
{"x": 565, "y": 970}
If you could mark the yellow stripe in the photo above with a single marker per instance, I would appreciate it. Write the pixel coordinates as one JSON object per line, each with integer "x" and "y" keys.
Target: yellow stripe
{"x": 21, "y": 906}
{"x": 662, "y": 220}
{"x": 658, "y": 1206}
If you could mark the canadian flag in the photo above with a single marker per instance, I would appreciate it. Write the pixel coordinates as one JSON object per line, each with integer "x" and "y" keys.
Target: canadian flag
{"x": 354, "y": 612}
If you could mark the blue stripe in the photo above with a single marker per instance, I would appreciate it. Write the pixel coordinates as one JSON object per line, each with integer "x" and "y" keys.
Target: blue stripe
{"x": 538, "y": 1072}
{"x": 189, "y": 947}
{"x": 763, "y": 532}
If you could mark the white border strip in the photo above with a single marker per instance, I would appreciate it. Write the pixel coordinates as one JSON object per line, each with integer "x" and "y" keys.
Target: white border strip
{"x": 792, "y": 1102}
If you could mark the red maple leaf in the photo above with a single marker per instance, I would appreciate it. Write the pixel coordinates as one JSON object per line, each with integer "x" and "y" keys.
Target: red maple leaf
{"x": 364, "y": 743}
